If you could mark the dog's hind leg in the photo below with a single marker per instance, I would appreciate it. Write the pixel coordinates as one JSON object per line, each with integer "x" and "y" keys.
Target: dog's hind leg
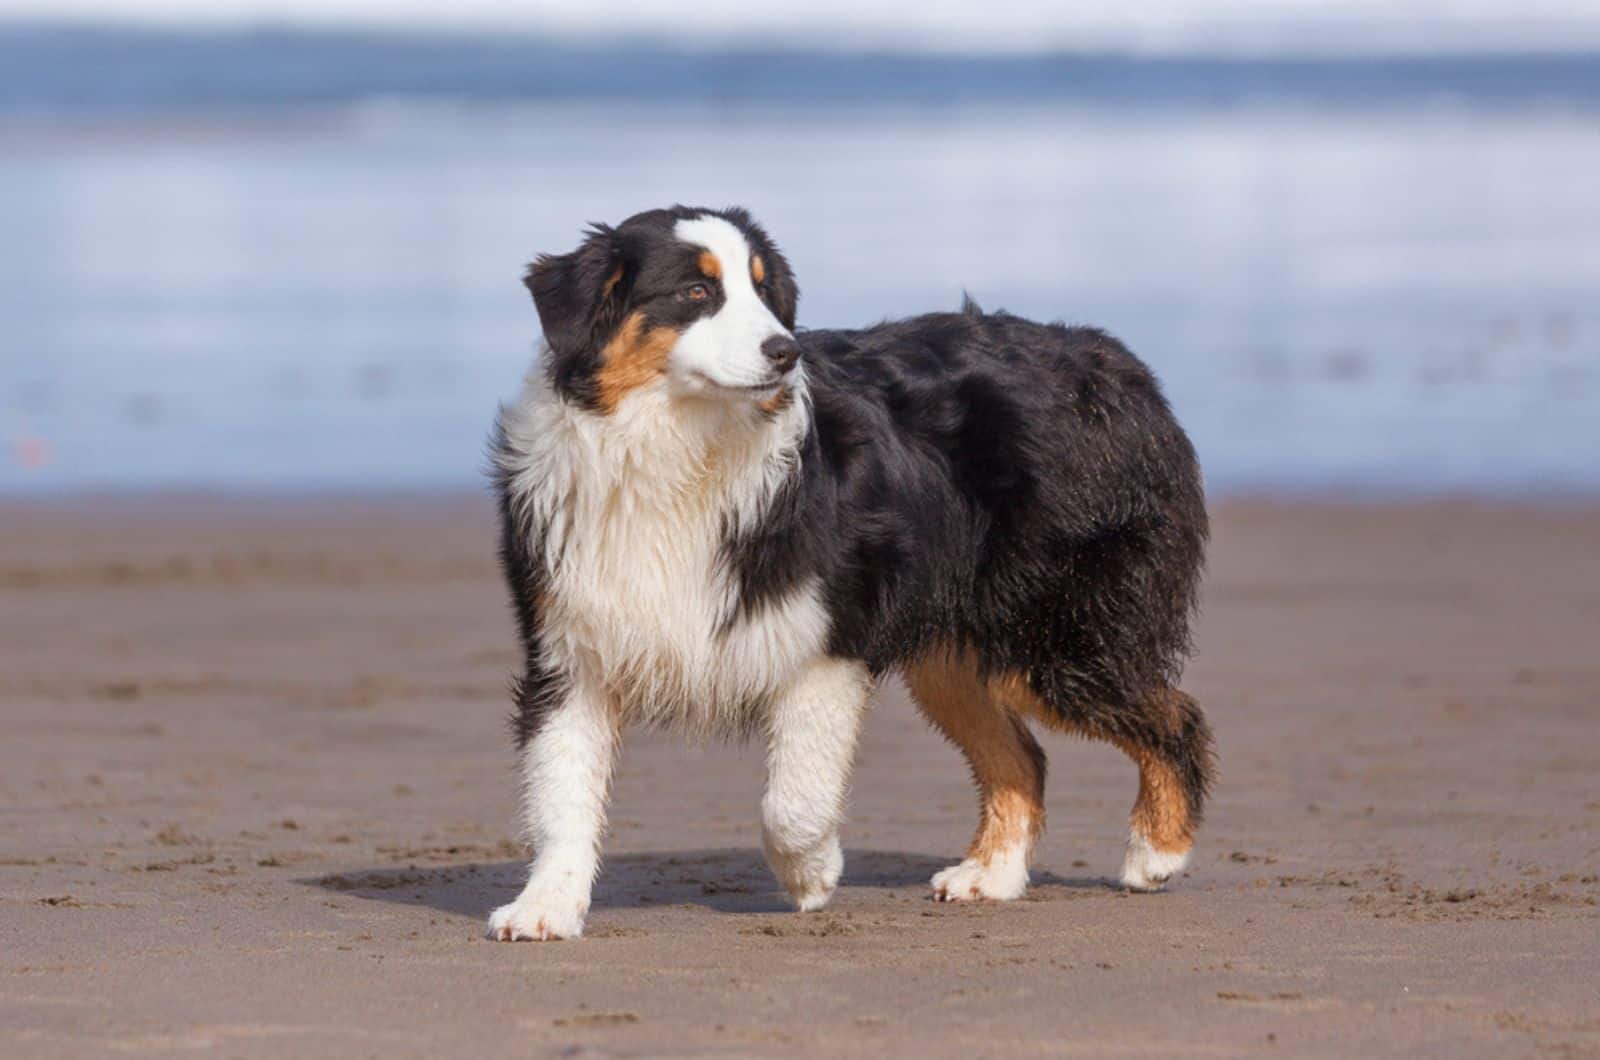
{"x": 1166, "y": 735}
{"x": 1173, "y": 753}
{"x": 1172, "y": 746}
{"x": 1007, "y": 764}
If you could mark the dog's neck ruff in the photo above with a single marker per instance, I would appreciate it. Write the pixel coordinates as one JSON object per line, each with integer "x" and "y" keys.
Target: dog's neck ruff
{"x": 655, "y": 456}
{"x": 629, "y": 515}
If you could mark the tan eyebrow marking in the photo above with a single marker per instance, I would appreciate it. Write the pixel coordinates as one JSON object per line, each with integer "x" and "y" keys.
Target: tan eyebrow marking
{"x": 710, "y": 267}
{"x": 758, "y": 268}
{"x": 611, "y": 281}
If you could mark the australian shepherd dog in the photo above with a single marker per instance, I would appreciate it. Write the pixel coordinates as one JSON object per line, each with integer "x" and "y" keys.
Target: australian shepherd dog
{"x": 717, "y": 523}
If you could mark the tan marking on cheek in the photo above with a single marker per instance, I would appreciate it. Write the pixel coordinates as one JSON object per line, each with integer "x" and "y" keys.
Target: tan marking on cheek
{"x": 1006, "y": 761}
{"x": 777, "y": 402}
{"x": 710, "y": 267}
{"x": 633, "y": 358}
{"x": 758, "y": 269}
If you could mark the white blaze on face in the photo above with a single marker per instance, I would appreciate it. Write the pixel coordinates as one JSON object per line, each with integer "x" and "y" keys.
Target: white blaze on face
{"x": 724, "y": 349}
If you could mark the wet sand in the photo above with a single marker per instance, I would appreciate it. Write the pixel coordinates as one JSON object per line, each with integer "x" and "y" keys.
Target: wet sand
{"x": 256, "y": 797}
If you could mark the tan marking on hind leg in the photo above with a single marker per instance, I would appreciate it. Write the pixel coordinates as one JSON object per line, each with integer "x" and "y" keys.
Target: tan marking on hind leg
{"x": 1160, "y": 813}
{"x": 1007, "y": 765}
{"x": 1161, "y": 831}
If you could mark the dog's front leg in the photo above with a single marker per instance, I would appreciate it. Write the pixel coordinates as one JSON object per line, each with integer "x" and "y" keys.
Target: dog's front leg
{"x": 566, "y": 772}
{"x": 811, "y": 743}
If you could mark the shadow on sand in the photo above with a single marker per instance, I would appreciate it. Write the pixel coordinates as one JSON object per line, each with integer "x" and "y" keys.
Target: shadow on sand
{"x": 731, "y": 880}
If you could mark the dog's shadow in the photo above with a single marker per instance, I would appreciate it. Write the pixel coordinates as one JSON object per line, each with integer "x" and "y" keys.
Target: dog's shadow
{"x": 730, "y": 880}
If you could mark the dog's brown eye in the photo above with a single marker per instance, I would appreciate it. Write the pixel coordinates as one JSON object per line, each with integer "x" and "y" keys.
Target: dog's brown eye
{"x": 697, "y": 292}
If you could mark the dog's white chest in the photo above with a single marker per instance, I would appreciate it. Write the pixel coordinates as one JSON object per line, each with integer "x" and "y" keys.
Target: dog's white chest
{"x": 637, "y": 591}
{"x": 645, "y": 601}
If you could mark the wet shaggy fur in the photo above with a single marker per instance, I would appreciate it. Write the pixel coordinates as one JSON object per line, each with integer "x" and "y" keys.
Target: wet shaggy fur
{"x": 716, "y": 520}
{"x": 1015, "y": 489}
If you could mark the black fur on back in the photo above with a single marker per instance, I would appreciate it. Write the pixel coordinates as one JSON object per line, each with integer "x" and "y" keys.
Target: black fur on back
{"x": 1017, "y": 489}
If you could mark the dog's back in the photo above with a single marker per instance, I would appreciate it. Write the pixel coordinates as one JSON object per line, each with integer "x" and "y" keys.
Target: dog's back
{"x": 1018, "y": 487}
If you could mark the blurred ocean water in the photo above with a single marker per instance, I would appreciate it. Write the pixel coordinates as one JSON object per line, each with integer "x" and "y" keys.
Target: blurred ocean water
{"x": 1383, "y": 279}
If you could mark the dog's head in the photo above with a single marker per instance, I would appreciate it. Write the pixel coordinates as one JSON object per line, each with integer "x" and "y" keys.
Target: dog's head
{"x": 699, "y": 301}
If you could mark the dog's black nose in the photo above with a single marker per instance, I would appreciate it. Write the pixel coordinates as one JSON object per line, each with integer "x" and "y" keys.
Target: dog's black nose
{"x": 781, "y": 351}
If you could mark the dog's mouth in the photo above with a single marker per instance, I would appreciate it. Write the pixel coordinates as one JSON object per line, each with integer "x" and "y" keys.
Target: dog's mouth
{"x": 752, "y": 389}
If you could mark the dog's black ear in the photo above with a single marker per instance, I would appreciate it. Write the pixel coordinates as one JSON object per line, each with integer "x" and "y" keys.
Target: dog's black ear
{"x": 579, "y": 295}
{"x": 781, "y": 283}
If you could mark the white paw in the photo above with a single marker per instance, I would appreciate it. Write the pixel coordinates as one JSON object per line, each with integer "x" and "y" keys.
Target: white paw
{"x": 1145, "y": 868}
{"x": 1004, "y": 878}
{"x": 539, "y": 917}
{"x": 809, "y": 876}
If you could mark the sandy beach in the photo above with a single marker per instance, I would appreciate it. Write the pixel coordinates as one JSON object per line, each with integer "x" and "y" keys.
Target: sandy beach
{"x": 257, "y": 796}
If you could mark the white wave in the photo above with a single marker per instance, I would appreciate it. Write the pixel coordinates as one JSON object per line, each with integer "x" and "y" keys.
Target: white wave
{"x": 1256, "y": 27}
